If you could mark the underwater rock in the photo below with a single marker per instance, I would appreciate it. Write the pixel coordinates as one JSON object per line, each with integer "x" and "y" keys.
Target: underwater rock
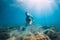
{"x": 4, "y": 34}
{"x": 19, "y": 38}
{"x": 52, "y": 34}
{"x": 29, "y": 36}
{"x": 32, "y": 37}
{"x": 12, "y": 38}
{"x": 33, "y": 33}
{"x": 40, "y": 36}
{"x": 59, "y": 33}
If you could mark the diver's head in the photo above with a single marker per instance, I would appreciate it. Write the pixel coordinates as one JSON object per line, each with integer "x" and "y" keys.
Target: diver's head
{"x": 27, "y": 14}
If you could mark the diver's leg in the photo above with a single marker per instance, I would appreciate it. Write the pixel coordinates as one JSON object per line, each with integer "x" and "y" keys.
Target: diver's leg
{"x": 24, "y": 28}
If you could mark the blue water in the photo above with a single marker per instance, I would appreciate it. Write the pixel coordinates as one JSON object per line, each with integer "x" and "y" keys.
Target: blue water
{"x": 15, "y": 15}
{"x": 12, "y": 14}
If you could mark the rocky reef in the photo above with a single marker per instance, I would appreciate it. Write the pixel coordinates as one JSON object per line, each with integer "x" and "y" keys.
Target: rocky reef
{"x": 31, "y": 33}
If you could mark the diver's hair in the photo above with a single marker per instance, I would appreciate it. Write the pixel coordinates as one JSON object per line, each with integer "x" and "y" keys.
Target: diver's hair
{"x": 27, "y": 14}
